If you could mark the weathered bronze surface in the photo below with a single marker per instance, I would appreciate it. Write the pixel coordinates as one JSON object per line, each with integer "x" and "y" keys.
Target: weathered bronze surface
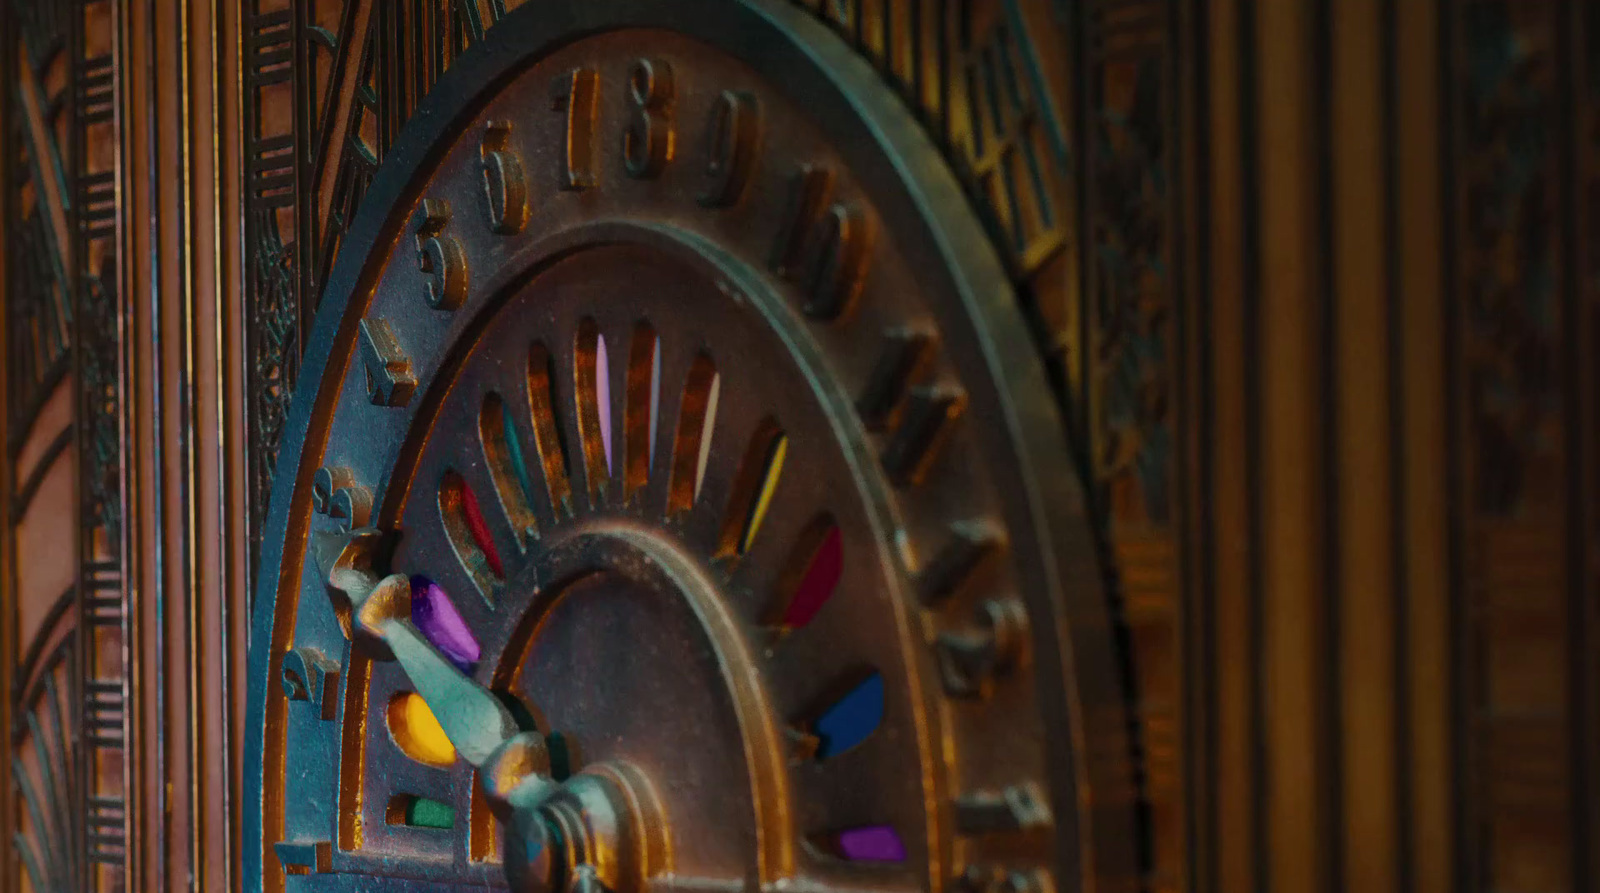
{"x": 1190, "y": 398}
{"x": 631, "y": 328}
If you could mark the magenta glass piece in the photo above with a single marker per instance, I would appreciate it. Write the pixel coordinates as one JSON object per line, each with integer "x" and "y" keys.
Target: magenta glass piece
{"x": 817, "y": 584}
{"x": 436, "y": 617}
{"x": 602, "y": 388}
{"x": 873, "y": 843}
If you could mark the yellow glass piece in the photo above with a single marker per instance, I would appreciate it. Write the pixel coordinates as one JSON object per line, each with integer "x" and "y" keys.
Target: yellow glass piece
{"x": 780, "y": 449}
{"x": 417, "y": 732}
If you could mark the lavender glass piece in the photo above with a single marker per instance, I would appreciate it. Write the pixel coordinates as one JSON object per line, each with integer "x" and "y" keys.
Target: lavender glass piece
{"x": 873, "y": 843}
{"x": 603, "y": 397}
{"x": 436, "y": 617}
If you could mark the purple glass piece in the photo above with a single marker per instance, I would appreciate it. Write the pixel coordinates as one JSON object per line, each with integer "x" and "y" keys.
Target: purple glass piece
{"x": 873, "y": 843}
{"x": 436, "y": 617}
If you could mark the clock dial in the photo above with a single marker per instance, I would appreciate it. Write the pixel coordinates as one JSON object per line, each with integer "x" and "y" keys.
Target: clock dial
{"x": 664, "y": 510}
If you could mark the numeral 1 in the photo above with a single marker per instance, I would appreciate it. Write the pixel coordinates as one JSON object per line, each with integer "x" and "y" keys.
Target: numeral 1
{"x": 824, "y": 246}
{"x": 577, "y": 94}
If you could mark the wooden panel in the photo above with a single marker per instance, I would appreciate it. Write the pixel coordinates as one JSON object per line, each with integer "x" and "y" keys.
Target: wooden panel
{"x": 1331, "y": 270}
{"x": 54, "y": 419}
{"x": 46, "y": 538}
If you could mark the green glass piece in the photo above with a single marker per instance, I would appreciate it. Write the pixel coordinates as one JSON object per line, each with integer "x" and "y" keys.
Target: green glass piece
{"x": 425, "y": 813}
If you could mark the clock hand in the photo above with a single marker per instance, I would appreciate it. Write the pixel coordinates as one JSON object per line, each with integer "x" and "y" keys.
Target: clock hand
{"x": 476, "y": 721}
{"x": 515, "y": 765}
{"x": 598, "y": 814}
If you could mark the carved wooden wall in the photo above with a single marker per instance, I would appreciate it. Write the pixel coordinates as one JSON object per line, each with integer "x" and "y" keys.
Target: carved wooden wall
{"x": 1317, "y": 281}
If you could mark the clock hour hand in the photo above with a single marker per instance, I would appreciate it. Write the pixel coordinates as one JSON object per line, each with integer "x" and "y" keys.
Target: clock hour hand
{"x": 476, "y": 721}
{"x": 598, "y": 813}
{"x": 376, "y": 613}
{"x": 514, "y": 765}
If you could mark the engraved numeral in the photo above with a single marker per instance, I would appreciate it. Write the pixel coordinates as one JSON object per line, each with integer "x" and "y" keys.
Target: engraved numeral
{"x": 308, "y": 676}
{"x": 930, "y": 417}
{"x": 1016, "y": 808}
{"x": 577, "y": 94}
{"x": 969, "y": 662}
{"x": 389, "y": 378}
{"x": 994, "y": 879}
{"x": 314, "y": 857}
{"x": 647, "y": 144}
{"x": 971, "y": 545}
{"x": 335, "y": 493}
{"x": 440, "y": 256}
{"x": 824, "y": 247}
{"x": 503, "y": 181}
{"x": 809, "y": 192}
{"x": 836, "y": 262}
{"x": 733, "y": 136}
{"x": 905, "y": 356}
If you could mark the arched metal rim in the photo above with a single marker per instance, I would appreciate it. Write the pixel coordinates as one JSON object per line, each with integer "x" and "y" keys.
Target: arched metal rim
{"x": 885, "y": 145}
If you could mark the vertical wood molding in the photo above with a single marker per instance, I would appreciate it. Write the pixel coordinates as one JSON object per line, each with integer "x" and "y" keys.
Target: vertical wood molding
{"x": 1426, "y": 603}
{"x": 1295, "y": 646}
{"x": 1196, "y": 423}
{"x": 1583, "y": 49}
{"x": 10, "y": 647}
{"x": 1363, "y": 443}
{"x": 1236, "y": 821}
{"x": 1362, "y": 587}
{"x": 101, "y": 271}
{"x": 1327, "y": 611}
{"x": 190, "y": 483}
{"x": 148, "y": 869}
{"x": 231, "y": 537}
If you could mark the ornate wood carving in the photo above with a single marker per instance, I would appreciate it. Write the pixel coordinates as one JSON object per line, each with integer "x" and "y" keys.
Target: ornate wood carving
{"x": 62, "y": 312}
{"x": 44, "y": 747}
{"x": 1518, "y": 335}
{"x": 98, "y": 264}
{"x": 1368, "y": 228}
{"x": 38, "y": 313}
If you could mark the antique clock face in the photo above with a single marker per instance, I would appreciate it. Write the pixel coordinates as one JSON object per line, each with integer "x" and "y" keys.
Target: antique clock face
{"x": 673, "y": 499}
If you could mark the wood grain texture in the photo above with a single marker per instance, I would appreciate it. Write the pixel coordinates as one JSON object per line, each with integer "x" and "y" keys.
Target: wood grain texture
{"x": 1317, "y": 280}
